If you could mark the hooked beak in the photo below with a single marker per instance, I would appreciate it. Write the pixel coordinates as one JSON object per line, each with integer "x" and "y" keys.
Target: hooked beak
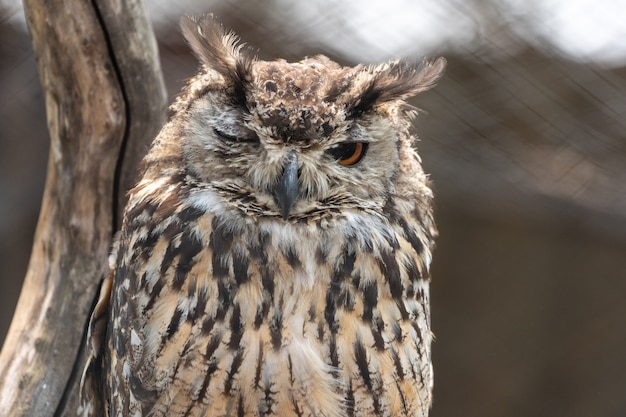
{"x": 286, "y": 189}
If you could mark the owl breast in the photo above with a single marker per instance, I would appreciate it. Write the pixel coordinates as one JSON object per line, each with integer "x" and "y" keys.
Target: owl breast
{"x": 235, "y": 316}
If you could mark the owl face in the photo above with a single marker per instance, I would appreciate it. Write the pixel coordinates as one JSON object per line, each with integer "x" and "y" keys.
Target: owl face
{"x": 296, "y": 139}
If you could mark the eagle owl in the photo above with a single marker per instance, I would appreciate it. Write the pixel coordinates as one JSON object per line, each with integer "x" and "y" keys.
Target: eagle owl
{"x": 274, "y": 256}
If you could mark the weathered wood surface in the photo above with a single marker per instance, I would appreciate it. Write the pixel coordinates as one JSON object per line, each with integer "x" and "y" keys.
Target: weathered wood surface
{"x": 105, "y": 101}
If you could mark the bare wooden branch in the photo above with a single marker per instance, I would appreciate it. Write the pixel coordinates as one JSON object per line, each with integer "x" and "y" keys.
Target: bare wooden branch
{"x": 92, "y": 97}
{"x": 135, "y": 54}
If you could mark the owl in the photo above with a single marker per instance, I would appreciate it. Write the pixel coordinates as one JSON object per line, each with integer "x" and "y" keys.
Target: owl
{"x": 274, "y": 256}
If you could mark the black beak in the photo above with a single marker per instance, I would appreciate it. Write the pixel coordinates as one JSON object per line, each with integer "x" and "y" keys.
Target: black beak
{"x": 286, "y": 189}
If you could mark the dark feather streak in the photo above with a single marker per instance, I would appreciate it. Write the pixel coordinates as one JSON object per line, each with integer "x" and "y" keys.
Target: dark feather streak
{"x": 236, "y": 328}
{"x": 172, "y": 328}
{"x": 397, "y": 363}
{"x": 360, "y": 357}
{"x": 276, "y": 329}
{"x": 233, "y": 371}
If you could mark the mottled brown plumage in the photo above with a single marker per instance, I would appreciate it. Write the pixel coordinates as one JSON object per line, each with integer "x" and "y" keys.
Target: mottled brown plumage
{"x": 274, "y": 256}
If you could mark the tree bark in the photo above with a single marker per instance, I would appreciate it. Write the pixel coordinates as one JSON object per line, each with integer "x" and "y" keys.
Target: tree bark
{"x": 105, "y": 101}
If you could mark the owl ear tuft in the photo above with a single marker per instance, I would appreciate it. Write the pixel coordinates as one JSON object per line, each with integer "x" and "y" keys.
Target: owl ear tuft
{"x": 219, "y": 49}
{"x": 398, "y": 80}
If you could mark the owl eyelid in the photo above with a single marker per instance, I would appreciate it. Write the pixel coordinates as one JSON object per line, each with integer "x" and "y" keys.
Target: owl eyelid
{"x": 232, "y": 138}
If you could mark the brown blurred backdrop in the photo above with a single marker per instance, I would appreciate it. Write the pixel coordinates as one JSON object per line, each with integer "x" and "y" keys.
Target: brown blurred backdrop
{"x": 525, "y": 140}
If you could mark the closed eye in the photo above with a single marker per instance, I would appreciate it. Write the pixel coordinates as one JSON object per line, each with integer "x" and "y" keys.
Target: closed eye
{"x": 245, "y": 136}
{"x": 348, "y": 153}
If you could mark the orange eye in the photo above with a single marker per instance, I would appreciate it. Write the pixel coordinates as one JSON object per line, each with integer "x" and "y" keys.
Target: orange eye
{"x": 348, "y": 153}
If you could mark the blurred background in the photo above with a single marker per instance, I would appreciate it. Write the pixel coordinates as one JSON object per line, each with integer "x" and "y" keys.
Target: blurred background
{"x": 525, "y": 140}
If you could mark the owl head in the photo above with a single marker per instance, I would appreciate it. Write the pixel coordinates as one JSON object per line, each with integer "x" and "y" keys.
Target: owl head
{"x": 297, "y": 140}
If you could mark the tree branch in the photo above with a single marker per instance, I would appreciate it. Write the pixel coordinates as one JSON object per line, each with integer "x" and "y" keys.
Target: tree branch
{"x": 96, "y": 65}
